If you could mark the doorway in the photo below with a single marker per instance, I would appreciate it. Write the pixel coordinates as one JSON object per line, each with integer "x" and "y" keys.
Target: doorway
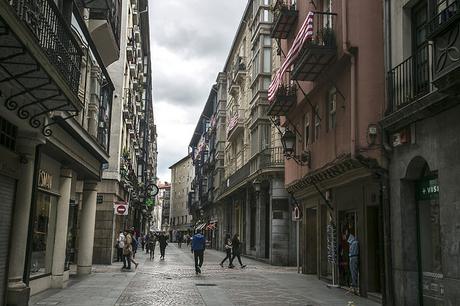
{"x": 311, "y": 241}
{"x": 374, "y": 251}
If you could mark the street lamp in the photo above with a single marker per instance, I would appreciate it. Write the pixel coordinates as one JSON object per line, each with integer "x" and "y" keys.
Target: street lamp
{"x": 288, "y": 142}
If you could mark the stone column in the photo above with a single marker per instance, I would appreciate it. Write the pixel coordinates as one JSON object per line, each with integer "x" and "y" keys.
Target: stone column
{"x": 93, "y": 106}
{"x": 60, "y": 238}
{"x": 260, "y": 226}
{"x": 86, "y": 234}
{"x": 18, "y": 292}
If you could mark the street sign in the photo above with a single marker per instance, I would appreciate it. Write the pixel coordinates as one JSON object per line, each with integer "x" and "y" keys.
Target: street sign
{"x": 121, "y": 208}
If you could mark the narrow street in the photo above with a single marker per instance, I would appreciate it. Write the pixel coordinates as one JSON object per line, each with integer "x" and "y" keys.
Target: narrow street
{"x": 173, "y": 282}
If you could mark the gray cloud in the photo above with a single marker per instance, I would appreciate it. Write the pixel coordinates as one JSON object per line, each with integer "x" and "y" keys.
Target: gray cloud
{"x": 190, "y": 41}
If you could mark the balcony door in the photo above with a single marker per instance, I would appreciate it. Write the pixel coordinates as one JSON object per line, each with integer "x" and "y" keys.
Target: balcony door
{"x": 420, "y": 49}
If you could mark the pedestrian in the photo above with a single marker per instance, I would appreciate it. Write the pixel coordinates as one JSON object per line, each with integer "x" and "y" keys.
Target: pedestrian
{"x": 135, "y": 242}
{"x": 180, "y": 238}
{"x": 128, "y": 251}
{"x": 228, "y": 250}
{"x": 198, "y": 246}
{"x": 146, "y": 241}
{"x": 152, "y": 241}
{"x": 187, "y": 239}
{"x": 142, "y": 237}
{"x": 162, "y": 239}
{"x": 236, "y": 249}
{"x": 353, "y": 255}
{"x": 120, "y": 245}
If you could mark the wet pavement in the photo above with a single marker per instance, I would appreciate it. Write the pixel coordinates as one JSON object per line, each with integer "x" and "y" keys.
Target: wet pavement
{"x": 173, "y": 282}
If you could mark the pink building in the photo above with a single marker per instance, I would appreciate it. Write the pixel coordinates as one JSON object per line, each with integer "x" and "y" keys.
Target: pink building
{"x": 331, "y": 99}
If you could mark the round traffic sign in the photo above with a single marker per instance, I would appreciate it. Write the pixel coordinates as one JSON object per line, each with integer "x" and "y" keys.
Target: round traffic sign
{"x": 121, "y": 209}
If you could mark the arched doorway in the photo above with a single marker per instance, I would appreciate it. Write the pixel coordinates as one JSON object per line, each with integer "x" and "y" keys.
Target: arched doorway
{"x": 429, "y": 256}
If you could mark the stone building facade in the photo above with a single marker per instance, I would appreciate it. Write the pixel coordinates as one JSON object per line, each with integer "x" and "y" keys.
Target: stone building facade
{"x": 422, "y": 128}
{"x": 55, "y": 122}
{"x": 180, "y": 219}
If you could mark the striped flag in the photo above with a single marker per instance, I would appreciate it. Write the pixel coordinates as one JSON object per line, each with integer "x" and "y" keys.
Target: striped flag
{"x": 232, "y": 122}
{"x": 305, "y": 33}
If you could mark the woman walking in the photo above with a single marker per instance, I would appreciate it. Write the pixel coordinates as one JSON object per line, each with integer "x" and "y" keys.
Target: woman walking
{"x": 228, "y": 250}
{"x": 152, "y": 241}
{"x": 236, "y": 246}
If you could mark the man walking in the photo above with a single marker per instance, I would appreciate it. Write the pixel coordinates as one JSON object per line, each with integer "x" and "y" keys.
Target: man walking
{"x": 236, "y": 245}
{"x": 162, "y": 239}
{"x": 198, "y": 246}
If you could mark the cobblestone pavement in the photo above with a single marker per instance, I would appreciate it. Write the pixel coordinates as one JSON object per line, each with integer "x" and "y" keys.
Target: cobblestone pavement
{"x": 173, "y": 282}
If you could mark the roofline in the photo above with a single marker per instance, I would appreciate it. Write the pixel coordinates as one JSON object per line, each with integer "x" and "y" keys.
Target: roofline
{"x": 237, "y": 34}
{"x": 180, "y": 161}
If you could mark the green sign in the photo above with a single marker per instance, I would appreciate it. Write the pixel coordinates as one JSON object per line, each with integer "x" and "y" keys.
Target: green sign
{"x": 428, "y": 189}
{"x": 149, "y": 202}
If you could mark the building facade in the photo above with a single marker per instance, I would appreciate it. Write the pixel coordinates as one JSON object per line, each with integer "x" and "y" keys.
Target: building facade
{"x": 421, "y": 122}
{"x": 133, "y": 151}
{"x": 179, "y": 215}
{"x": 56, "y": 100}
{"x": 164, "y": 199}
{"x": 330, "y": 97}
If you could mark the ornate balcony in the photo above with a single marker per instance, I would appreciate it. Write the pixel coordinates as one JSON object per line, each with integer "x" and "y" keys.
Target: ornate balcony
{"x": 239, "y": 71}
{"x": 39, "y": 62}
{"x": 444, "y": 30}
{"x": 105, "y": 27}
{"x": 285, "y": 16}
{"x": 235, "y": 124}
{"x": 318, "y": 52}
{"x": 410, "y": 91}
{"x": 270, "y": 159}
{"x": 286, "y": 97}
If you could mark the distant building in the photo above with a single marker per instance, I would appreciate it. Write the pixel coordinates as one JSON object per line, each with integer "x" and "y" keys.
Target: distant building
{"x": 180, "y": 219}
{"x": 164, "y": 199}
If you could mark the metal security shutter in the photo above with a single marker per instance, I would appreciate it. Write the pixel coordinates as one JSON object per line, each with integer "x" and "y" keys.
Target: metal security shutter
{"x": 7, "y": 190}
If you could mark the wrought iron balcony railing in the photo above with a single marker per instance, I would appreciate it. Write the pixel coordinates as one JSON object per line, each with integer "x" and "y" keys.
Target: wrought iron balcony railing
{"x": 318, "y": 52}
{"x": 285, "y": 15}
{"x": 411, "y": 79}
{"x": 53, "y": 35}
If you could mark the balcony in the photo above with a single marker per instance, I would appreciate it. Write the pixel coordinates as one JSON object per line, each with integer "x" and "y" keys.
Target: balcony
{"x": 268, "y": 160}
{"x": 105, "y": 26}
{"x": 443, "y": 29}
{"x": 285, "y": 98}
{"x": 318, "y": 52}
{"x": 39, "y": 63}
{"x": 410, "y": 91}
{"x": 285, "y": 17}
{"x": 235, "y": 124}
{"x": 236, "y": 178}
{"x": 239, "y": 71}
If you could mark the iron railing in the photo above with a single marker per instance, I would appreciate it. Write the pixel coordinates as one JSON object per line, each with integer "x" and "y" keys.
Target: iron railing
{"x": 447, "y": 10}
{"x": 281, "y": 6}
{"x": 411, "y": 79}
{"x": 53, "y": 35}
{"x": 268, "y": 158}
{"x": 324, "y": 30}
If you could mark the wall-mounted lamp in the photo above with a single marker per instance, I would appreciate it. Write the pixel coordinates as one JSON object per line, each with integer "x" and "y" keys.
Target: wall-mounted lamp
{"x": 256, "y": 184}
{"x": 288, "y": 141}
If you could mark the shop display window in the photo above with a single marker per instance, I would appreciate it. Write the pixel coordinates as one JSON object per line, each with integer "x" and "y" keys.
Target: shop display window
{"x": 44, "y": 224}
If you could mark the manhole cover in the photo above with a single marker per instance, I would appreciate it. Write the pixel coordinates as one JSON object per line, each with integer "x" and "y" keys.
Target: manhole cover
{"x": 206, "y": 285}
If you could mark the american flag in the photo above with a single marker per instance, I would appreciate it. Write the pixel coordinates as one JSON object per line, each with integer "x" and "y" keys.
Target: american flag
{"x": 305, "y": 33}
{"x": 232, "y": 122}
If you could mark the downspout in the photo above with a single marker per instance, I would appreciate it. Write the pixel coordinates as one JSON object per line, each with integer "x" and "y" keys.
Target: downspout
{"x": 346, "y": 50}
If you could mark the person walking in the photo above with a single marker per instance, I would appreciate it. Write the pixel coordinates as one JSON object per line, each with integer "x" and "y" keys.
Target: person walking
{"x": 120, "y": 246}
{"x": 180, "y": 238}
{"x": 236, "y": 248}
{"x": 228, "y": 250}
{"x": 152, "y": 241}
{"x": 198, "y": 246}
{"x": 162, "y": 239}
{"x": 128, "y": 252}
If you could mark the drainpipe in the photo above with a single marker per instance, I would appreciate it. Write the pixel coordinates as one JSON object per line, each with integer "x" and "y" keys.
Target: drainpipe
{"x": 346, "y": 50}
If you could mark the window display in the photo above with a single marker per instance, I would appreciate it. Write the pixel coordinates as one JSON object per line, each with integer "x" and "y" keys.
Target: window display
{"x": 44, "y": 222}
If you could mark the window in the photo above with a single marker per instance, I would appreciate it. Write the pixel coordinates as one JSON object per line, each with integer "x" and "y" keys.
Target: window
{"x": 267, "y": 60}
{"x": 306, "y": 130}
{"x": 264, "y": 137}
{"x": 317, "y": 123}
{"x": 44, "y": 225}
{"x": 331, "y": 108}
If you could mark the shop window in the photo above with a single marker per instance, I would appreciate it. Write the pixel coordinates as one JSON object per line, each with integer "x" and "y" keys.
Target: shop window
{"x": 44, "y": 224}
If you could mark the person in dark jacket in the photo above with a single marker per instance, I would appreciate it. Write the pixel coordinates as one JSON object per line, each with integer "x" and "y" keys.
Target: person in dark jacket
{"x": 162, "y": 239}
{"x": 198, "y": 246}
{"x": 228, "y": 250}
{"x": 236, "y": 244}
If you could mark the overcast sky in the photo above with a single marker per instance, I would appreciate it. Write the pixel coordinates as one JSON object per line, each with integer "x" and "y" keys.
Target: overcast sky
{"x": 190, "y": 41}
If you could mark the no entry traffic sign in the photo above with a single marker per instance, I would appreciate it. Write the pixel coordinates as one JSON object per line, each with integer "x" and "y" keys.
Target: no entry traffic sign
{"x": 121, "y": 208}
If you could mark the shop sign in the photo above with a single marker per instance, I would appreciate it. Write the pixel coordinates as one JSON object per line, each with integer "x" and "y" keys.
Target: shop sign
{"x": 45, "y": 180}
{"x": 427, "y": 189}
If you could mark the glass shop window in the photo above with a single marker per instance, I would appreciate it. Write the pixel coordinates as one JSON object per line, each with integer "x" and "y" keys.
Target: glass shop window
{"x": 44, "y": 225}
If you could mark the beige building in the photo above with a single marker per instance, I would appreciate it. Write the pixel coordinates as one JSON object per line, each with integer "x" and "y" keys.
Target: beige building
{"x": 179, "y": 214}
